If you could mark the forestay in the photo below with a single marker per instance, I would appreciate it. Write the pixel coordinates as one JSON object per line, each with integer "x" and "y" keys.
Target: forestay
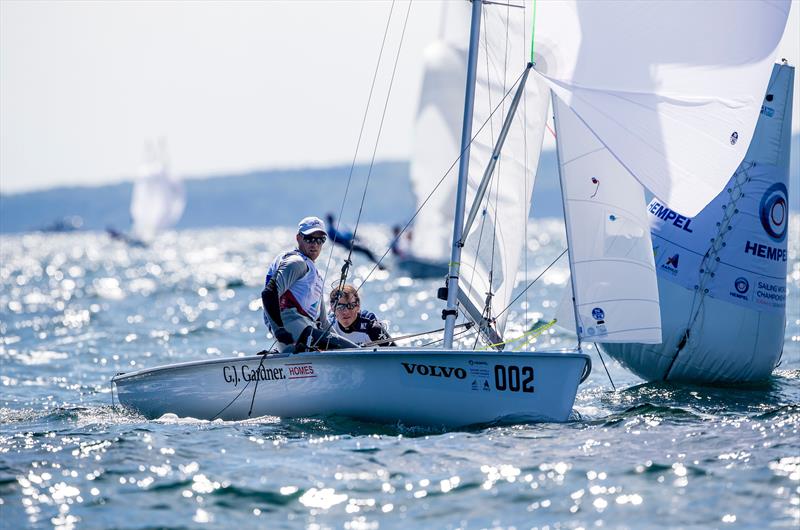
{"x": 610, "y": 251}
{"x": 491, "y": 254}
{"x": 672, "y": 89}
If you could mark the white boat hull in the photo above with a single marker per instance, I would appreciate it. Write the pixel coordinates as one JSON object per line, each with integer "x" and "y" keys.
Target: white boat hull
{"x": 390, "y": 385}
{"x": 422, "y": 268}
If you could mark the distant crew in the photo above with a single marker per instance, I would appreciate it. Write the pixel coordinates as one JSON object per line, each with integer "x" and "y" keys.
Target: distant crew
{"x": 401, "y": 242}
{"x": 351, "y": 322}
{"x": 292, "y": 295}
{"x": 347, "y": 239}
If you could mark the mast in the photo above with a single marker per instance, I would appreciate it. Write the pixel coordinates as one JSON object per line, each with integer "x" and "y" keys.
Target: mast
{"x": 463, "y": 171}
{"x": 566, "y": 224}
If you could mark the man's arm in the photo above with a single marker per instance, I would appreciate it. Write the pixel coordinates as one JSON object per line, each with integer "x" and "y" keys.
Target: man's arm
{"x": 375, "y": 330}
{"x": 270, "y": 299}
{"x": 289, "y": 271}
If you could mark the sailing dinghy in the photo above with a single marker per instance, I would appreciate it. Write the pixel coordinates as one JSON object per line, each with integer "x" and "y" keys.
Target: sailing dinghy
{"x": 158, "y": 198}
{"x": 670, "y": 113}
{"x": 437, "y": 133}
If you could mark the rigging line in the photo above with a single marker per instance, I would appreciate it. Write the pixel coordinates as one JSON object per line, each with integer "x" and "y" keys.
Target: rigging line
{"x": 260, "y": 364}
{"x": 488, "y": 308}
{"x": 533, "y": 31}
{"x": 491, "y": 136}
{"x": 412, "y": 335}
{"x": 730, "y": 210}
{"x": 348, "y": 261}
{"x": 604, "y": 366}
{"x": 380, "y": 129}
{"x": 440, "y": 340}
{"x": 360, "y": 135}
{"x": 711, "y": 257}
{"x": 215, "y": 416}
{"x": 530, "y": 334}
{"x": 475, "y": 267}
{"x": 526, "y": 214}
{"x": 530, "y": 284}
{"x": 441, "y": 180}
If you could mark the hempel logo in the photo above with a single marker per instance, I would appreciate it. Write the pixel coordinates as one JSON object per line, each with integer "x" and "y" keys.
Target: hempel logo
{"x": 772, "y": 211}
{"x": 741, "y": 285}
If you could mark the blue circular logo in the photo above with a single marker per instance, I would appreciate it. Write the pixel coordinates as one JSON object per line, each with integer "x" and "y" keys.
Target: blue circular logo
{"x": 598, "y": 313}
{"x": 773, "y": 211}
{"x": 741, "y": 285}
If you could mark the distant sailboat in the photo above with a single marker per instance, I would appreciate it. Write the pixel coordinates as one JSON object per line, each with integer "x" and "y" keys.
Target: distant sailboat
{"x": 437, "y": 133}
{"x": 158, "y": 198}
{"x": 645, "y": 93}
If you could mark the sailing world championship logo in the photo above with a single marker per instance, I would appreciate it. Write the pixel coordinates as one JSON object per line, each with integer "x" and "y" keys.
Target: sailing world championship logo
{"x": 773, "y": 211}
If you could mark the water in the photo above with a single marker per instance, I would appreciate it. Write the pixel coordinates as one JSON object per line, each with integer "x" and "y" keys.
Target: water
{"x": 77, "y": 308}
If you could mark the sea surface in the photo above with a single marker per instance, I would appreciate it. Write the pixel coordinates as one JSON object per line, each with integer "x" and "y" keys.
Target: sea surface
{"x": 77, "y": 308}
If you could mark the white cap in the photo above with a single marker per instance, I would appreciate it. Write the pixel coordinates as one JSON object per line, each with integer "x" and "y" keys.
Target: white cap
{"x": 309, "y": 225}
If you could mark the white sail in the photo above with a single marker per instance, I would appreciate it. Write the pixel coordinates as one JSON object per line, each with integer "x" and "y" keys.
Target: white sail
{"x": 610, "y": 252}
{"x": 437, "y": 134}
{"x": 671, "y": 89}
{"x": 491, "y": 255}
{"x": 158, "y": 197}
{"x": 436, "y": 144}
{"x": 722, "y": 273}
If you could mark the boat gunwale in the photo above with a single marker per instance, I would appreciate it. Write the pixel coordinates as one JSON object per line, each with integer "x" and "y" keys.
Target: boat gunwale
{"x": 385, "y": 351}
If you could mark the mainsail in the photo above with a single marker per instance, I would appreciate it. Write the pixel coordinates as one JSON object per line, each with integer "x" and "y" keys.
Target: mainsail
{"x": 671, "y": 89}
{"x": 158, "y": 196}
{"x": 655, "y": 94}
{"x": 491, "y": 254}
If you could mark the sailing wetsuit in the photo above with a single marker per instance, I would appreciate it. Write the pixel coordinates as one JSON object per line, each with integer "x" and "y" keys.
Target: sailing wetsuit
{"x": 291, "y": 298}
{"x": 365, "y": 328}
{"x": 292, "y": 293}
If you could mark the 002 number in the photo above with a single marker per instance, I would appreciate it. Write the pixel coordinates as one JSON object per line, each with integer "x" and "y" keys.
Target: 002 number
{"x": 513, "y": 379}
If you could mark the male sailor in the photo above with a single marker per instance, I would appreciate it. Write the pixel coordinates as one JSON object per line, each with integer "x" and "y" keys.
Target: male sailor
{"x": 292, "y": 295}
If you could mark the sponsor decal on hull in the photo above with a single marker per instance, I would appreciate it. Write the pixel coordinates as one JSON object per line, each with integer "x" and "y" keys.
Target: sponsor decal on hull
{"x": 244, "y": 373}
{"x": 432, "y": 370}
{"x": 479, "y": 372}
{"x": 513, "y": 378}
{"x": 301, "y": 370}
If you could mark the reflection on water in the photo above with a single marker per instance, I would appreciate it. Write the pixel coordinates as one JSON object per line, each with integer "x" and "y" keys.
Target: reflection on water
{"x": 77, "y": 308}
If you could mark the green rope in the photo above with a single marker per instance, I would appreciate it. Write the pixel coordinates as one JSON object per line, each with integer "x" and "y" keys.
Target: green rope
{"x": 529, "y": 334}
{"x": 533, "y": 29}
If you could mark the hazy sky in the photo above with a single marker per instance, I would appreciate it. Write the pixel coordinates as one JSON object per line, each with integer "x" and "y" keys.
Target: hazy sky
{"x": 231, "y": 86}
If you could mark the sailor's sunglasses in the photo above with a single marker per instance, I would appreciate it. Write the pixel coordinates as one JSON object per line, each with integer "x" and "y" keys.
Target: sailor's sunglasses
{"x": 320, "y": 240}
{"x": 342, "y": 307}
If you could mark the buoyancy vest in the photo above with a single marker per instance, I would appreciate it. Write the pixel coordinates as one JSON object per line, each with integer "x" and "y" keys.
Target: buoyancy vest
{"x": 304, "y": 295}
{"x": 366, "y": 328}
